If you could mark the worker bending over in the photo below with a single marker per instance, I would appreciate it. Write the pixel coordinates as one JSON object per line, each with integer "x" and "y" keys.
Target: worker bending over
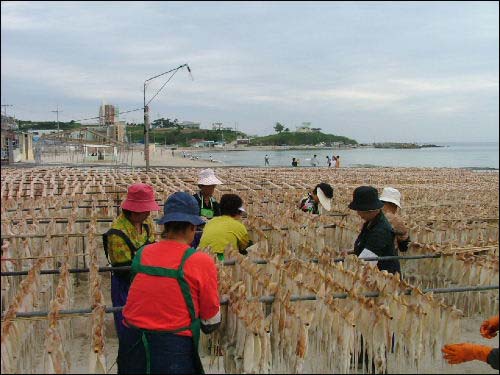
{"x": 225, "y": 230}
{"x": 209, "y": 207}
{"x": 318, "y": 200}
{"x": 173, "y": 295}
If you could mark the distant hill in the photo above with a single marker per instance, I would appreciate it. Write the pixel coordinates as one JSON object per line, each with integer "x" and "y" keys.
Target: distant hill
{"x": 38, "y": 125}
{"x": 182, "y": 137}
{"x": 296, "y": 139}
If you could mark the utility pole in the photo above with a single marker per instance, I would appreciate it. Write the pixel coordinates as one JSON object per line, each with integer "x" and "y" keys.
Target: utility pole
{"x": 57, "y": 114}
{"x": 5, "y": 108}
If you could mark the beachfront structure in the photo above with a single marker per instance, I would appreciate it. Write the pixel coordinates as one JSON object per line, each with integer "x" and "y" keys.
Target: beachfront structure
{"x": 99, "y": 153}
{"x": 243, "y": 141}
{"x": 196, "y": 142}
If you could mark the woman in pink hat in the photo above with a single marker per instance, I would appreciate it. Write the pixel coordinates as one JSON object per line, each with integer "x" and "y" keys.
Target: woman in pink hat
{"x": 131, "y": 230}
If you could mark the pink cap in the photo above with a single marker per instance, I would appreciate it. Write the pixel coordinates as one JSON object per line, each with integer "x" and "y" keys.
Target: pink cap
{"x": 140, "y": 198}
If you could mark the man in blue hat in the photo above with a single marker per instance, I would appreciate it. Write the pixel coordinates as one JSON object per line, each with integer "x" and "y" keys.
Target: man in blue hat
{"x": 377, "y": 236}
{"x": 173, "y": 295}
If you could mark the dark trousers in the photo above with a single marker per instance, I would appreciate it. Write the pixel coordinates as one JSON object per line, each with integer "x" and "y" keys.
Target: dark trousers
{"x": 169, "y": 353}
{"x": 120, "y": 284}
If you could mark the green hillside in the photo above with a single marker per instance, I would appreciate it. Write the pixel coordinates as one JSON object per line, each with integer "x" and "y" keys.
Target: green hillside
{"x": 182, "y": 137}
{"x": 296, "y": 139}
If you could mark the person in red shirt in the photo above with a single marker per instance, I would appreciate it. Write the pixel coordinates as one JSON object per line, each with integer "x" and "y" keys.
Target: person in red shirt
{"x": 174, "y": 294}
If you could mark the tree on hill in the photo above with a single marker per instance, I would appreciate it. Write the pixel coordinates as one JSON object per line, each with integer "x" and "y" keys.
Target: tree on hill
{"x": 278, "y": 128}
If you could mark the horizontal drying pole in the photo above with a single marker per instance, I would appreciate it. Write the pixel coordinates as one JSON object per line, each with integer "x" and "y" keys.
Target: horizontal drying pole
{"x": 232, "y": 262}
{"x": 263, "y": 299}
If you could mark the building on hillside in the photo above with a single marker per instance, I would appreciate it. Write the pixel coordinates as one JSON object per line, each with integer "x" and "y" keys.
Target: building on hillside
{"x": 243, "y": 141}
{"x": 304, "y": 128}
{"x": 108, "y": 115}
{"x": 189, "y": 125}
{"x": 315, "y": 130}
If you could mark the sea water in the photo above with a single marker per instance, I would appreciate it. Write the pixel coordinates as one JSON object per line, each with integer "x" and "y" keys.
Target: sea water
{"x": 482, "y": 155}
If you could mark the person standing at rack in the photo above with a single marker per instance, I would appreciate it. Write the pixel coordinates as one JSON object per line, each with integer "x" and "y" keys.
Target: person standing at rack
{"x": 392, "y": 201}
{"x": 132, "y": 229}
{"x": 377, "y": 237}
{"x": 209, "y": 207}
{"x": 174, "y": 295}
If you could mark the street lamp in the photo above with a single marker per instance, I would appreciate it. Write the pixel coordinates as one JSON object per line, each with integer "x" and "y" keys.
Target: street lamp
{"x": 146, "y": 108}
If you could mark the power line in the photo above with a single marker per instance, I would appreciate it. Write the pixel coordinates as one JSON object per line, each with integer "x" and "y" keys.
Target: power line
{"x": 5, "y": 108}
{"x": 161, "y": 88}
{"x": 57, "y": 111}
{"x": 121, "y": 113}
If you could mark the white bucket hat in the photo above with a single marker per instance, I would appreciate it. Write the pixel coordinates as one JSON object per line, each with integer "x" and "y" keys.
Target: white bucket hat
{"x": 324, "y": 200}
{"x": 207, "y": 177}
{"x": 391, "y": 195}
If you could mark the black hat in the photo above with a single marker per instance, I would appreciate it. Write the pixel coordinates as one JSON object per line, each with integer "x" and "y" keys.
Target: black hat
{"x": 365, "y": 198}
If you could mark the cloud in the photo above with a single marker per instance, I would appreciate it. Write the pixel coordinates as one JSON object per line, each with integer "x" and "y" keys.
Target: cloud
{"x": 448, "y": 85}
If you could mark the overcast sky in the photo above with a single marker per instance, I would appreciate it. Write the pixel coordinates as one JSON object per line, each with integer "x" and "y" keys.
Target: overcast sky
{"x": 372, "y": 71}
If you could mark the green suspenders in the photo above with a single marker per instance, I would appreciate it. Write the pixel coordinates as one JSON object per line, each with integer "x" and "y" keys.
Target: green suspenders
{"x": 194, "y": 327}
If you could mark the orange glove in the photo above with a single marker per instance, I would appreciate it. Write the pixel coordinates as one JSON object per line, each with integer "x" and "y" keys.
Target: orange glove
{"x": 489, "y": 327}
{"x": 458, "y": 353}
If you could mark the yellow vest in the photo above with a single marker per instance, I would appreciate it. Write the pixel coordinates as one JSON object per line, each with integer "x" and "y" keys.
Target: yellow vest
{"x": 222, "y": 231}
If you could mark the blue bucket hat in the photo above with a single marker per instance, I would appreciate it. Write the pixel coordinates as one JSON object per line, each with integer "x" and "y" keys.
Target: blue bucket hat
{"x": 181, "y": 206}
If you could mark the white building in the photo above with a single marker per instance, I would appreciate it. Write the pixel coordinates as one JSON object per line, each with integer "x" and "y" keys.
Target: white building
{"x": 304, "y": 128}
{"x": 189, "y": 125}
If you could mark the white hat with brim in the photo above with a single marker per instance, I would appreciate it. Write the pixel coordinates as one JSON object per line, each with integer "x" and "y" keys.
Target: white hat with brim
{"x": 391, "y": 195}
{"x": 326, "y": 202}
{"x": 207, "y": 177}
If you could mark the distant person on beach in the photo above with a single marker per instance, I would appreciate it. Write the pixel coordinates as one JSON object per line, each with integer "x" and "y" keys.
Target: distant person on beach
{"x": 295, "y": 162}
{"x": 266, "y": 160}
{"x": 173, "y": 153}
{"x": 314, "y": 161}
{"x": 211, "y": 158}
{"x": 328, "y": 161}
{"x": 337, "y": 161}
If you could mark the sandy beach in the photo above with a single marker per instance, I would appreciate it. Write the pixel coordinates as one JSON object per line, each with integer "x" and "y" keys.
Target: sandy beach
{"x": 133, "y": 158}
